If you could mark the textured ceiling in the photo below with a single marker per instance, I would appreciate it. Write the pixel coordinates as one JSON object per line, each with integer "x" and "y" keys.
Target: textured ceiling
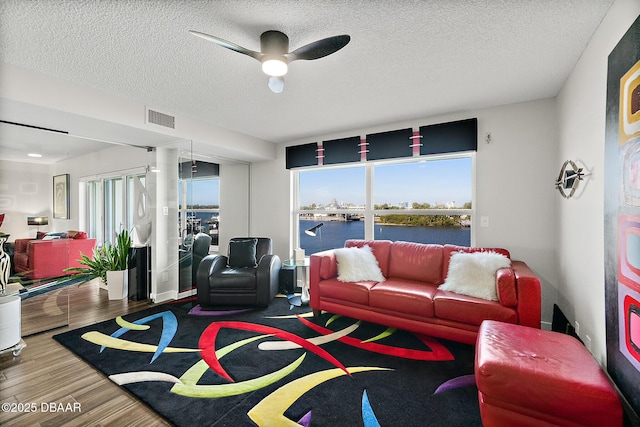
{"x": 406, "y": 59}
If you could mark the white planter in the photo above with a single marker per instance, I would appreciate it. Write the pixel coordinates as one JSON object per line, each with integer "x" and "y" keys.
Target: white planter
{"x": 117, "y": 284}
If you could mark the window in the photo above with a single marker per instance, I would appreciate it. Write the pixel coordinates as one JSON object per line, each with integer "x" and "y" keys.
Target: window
{"x": 113, "y": 208}
{"x": 110, "y": 206}
{"x": 334, "y": 197}
{"x": 200, "y": 207}
{"x": 425, "y": 200}
{"x": 94, "y": 210}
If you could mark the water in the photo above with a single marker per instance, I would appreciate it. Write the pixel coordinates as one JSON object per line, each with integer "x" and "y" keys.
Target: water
{"x": 334, "y": 233}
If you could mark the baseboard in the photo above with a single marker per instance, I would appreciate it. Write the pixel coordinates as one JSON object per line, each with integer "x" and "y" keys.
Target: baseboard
{"x": 164, "y": 296}
{"x": 545, "y": 325}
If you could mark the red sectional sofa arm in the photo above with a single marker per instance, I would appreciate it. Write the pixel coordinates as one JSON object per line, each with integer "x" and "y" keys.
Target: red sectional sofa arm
{"x": 529, "y": 295}
{"x": 20, "y": 245}
{"x": 323, "y": 265}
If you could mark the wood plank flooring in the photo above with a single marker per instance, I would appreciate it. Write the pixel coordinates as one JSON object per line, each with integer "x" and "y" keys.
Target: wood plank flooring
{"x": 46, "y": 373}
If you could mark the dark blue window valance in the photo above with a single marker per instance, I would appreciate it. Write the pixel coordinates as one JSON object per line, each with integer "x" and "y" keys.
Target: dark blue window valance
{"x": 198, "y": 169}
{"x": 302, "y": 155}
{"x": 344, "y": 150}
{"x": 449, "y": 137}
{"x": 389, "y": 145}
{"x": 442, "y": 138}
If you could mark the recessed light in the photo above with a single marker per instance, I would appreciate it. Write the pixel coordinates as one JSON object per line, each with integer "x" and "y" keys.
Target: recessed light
{"x": 34, "y": 155}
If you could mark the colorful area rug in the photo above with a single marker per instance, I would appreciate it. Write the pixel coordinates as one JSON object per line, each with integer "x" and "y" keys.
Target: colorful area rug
{"x": 280, "y": 367}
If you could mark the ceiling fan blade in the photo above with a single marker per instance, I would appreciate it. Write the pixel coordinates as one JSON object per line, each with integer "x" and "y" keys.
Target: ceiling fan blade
{"x": 276, "y": 84}
{"x": 320, "y": 48}
{"x": 227, "y": 44}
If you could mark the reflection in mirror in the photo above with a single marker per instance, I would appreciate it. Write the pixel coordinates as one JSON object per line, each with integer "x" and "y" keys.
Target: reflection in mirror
{"x": 199, "y": 210}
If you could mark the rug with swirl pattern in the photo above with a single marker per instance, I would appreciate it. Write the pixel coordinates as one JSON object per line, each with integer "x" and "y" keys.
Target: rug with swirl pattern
{"x": 280, "y": 366}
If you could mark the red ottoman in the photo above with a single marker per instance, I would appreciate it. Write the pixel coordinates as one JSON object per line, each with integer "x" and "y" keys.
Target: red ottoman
{"x": 530, "y": 377}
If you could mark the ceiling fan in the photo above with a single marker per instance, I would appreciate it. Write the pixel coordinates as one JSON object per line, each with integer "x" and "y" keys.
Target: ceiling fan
{"x": 274, "y": 52}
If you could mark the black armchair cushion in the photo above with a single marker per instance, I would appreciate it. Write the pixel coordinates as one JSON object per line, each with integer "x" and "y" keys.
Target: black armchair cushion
{"x": 233, "y": 279}
{"x": 242, "y": 253}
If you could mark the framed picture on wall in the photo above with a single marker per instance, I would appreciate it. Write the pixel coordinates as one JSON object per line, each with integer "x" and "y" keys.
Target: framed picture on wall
{"x": 61, "y": 196}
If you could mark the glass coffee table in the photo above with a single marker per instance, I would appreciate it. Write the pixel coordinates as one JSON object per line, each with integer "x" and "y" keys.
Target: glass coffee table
{"x": 43, "y": 308}
{"x": 302, "y": 267}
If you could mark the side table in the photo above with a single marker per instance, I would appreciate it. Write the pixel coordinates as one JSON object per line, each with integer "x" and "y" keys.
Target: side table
{"x": 302, "y": 266}
{"x": 10, "y": 325}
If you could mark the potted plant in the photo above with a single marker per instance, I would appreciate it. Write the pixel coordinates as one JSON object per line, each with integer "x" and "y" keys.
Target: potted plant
{"x": 109, "y": 264}
{"x": 117, "y": 263}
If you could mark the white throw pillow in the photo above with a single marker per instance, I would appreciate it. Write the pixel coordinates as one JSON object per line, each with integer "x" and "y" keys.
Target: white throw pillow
{"x": 358, "y": 264}
{"x": 474, "y": 274}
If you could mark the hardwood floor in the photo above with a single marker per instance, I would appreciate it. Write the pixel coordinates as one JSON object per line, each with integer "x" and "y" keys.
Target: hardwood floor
{"x": 46, "y": 376}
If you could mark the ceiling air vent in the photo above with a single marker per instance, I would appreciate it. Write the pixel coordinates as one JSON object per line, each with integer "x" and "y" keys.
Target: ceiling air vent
{"x": 161, "y": 119}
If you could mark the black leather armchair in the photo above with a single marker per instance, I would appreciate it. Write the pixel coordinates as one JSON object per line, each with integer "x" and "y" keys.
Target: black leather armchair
{"x": 247, "y": 276}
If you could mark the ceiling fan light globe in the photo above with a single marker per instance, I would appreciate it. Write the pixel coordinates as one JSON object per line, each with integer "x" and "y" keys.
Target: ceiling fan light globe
{"x": 274, "y": 67}
{"x": 276, "y": 84}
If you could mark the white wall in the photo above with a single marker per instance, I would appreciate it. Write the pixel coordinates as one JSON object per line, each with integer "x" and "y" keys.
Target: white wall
{"x": 25, "y": 190}
{"x": 580, "y": 249}
{"x": 234, "y": 203}
{"x": 514, "y": 186}
{"x": 114, "y": 159}
{"x": 31, "y": 87}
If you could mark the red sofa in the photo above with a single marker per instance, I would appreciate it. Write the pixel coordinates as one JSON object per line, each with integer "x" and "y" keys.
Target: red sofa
{"x": 38, "y": 259}
{"x": 409, "y": 298}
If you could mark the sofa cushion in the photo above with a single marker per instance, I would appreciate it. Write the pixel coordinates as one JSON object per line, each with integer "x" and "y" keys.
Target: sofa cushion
{"x": 242, "y": 253}
{"x": 474, "y": 274}
{"x": 353, "y": 292}
{"x": 380, "y": 249}
{"x": 57, "y": 235}
{"x": 467, "y": 309}
{"x": 403, "y": 296}
{"x": 357, "y": 265}
{"x": 52, "y": 237}
{"x": 416, "y": 261}
{"x": 73, "y": 234}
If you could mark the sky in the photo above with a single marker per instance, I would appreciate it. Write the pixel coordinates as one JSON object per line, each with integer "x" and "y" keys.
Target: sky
{"x": 435, "y": 181}
{"x": 203, "y": 192}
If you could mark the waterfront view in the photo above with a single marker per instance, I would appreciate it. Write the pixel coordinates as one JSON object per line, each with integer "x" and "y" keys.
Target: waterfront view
{"x": 422, "y": 201}
{"x": 203, "y": 221}
{"x": 334, "y": 233}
